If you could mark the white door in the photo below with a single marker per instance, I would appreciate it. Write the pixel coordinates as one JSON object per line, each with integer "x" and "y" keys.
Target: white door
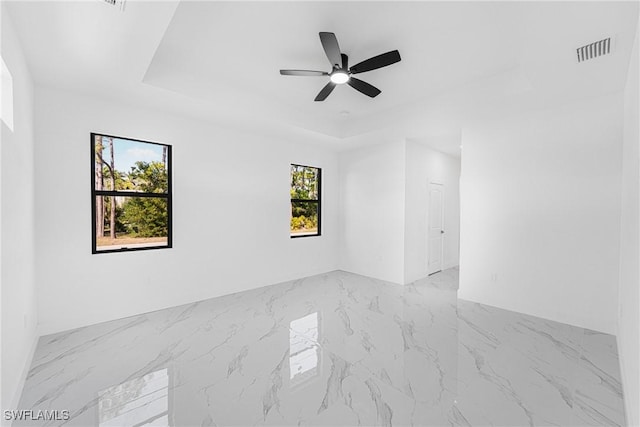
{"x": 436, "y": 228}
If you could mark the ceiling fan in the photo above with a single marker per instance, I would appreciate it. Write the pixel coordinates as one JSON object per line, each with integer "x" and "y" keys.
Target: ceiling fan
{"x": 341, "y": 73}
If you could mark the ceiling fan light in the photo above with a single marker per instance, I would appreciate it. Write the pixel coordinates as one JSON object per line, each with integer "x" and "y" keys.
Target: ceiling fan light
{"x": 339, "y": 77}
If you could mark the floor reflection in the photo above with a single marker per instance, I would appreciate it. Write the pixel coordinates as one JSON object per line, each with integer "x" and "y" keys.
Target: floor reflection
{"x": 304, "y": 352}
{"x": 142, "y": 401}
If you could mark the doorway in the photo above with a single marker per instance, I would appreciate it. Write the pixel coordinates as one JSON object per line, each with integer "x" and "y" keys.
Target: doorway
{"x": 435, "y": 244}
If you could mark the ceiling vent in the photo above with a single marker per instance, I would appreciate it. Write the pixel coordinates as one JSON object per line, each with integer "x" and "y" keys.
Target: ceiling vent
{"x": 594, "y": 50}
{"x": 116, "y": 3}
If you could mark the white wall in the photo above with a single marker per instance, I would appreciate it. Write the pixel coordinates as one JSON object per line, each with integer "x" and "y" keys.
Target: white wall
{"x": 230, "y": 214}
{"x": 384, "y": 203}
{"x": 629, "y": 295}
{"x": 372, "y": 211}
{"x": 423, "y": 166}
{"x": 19, "y": 309}
{"x": 540, "y": 196}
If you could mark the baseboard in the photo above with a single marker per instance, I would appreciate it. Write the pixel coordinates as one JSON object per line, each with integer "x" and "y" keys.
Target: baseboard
{"x": 46, "y": 328}
{"x": 623, "y": 381}
{"x": 631, "y": 418}
{"x": 15, "y": 400}
{"x": 449, "y": 265}
{"x": 535, "y": 311}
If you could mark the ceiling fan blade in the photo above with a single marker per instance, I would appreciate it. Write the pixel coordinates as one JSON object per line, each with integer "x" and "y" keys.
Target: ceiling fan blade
{"x": 345, "y": 62}
{"x": 303, "y": 73}
{"x": 364, "y": 87}
{"x": 376, "y": 62}
{"x": 325, "y": 91}
{"x": 331, "y": 48}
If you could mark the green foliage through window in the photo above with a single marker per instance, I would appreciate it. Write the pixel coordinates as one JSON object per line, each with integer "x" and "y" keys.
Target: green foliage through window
{"x": 305, "y": 201}
{"x": 132, "y": 194}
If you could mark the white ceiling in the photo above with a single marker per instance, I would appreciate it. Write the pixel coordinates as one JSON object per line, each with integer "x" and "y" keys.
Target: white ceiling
{"x": 219, "y": 61}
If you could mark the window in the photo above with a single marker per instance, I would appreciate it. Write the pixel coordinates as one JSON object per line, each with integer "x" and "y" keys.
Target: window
{"x": 305, "y": 201}
{"x": 130, "y": 194}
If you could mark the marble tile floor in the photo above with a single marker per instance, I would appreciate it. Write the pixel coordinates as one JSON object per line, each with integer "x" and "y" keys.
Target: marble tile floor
{"x": 333, "y": 349}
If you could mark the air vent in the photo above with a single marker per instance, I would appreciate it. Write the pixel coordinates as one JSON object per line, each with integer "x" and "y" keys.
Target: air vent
{"x": 116, "y": 3}
{"x": 594, "y": 50}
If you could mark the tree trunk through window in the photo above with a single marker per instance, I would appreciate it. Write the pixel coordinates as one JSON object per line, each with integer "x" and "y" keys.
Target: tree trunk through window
{"x": 99, "y": 186}
{"x": 112, "y": 217}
